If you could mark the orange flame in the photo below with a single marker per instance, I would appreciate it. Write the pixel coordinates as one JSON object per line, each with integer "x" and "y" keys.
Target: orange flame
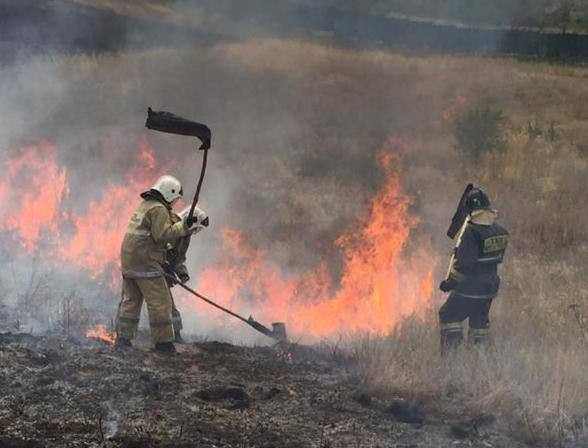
{"x": 31, "y": 192}
{"x": 101, "y": 333}
{"x": 98, "y": 235}
{"x": 382, "y": 281}
{"x": 380, "y": 284}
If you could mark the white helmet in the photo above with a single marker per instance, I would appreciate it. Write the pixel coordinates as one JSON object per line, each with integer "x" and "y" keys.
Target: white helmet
{"x": 169, "y": 187}
{"x": 201, "y": 219}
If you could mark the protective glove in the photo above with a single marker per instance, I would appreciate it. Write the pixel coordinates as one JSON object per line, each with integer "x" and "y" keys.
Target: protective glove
{"x": 447, "y": 285}
{"x": 199, "y": 220}
{"x": 184, "y": 277}
{"x": 167, "y": 268}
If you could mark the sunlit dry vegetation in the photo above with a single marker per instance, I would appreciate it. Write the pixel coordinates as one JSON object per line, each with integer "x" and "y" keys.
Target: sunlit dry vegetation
{"x": 534, "y": 374}
{"x": 311, "y": 119}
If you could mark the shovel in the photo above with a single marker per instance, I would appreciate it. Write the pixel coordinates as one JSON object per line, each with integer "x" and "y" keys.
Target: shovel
{"x": 278, "y": 332}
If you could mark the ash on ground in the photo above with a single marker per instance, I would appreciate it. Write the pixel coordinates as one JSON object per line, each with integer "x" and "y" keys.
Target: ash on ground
{"x": 66, "y": 392}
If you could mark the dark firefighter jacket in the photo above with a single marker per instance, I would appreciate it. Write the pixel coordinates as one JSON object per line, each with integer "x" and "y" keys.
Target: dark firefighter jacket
{"x": 475, "y": 272}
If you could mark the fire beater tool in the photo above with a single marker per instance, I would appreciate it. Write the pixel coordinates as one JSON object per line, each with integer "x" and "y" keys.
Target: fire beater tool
{"x": 458, "y": 225}
{"x": 278, "y": 332}
{"x": 173, "y": 124}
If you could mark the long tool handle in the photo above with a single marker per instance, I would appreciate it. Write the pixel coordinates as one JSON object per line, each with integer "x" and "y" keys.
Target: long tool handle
{"x": 198, "y": 188}
{"x": 457, "y": 243}
{"x": 251, "y": 322}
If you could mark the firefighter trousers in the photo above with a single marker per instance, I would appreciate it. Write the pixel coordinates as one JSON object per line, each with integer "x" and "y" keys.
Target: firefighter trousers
{"x": 457, "y": 309}
{"x": 156, "y": 294}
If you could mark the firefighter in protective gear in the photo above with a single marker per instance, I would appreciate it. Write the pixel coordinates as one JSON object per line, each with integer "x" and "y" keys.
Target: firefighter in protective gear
{"x": 473, "y": 279}
{"x": 143, "y": 254}
{"x": 175, "y": 262}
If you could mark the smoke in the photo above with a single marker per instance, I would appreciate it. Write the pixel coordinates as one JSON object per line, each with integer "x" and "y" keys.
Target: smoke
{"x": 111, "y": 421}
{"x": 296, "y": 125}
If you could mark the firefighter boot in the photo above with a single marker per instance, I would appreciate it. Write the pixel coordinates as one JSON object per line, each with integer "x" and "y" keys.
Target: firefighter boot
{"x": 178, "y": 339}
{"x": 122, "y": 343}
{"x": 167, "y": 348}
{"x": 451, "y": 336}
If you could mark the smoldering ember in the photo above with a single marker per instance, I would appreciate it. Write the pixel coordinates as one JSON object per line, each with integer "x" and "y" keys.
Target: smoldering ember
{"x": 318, "y": 224}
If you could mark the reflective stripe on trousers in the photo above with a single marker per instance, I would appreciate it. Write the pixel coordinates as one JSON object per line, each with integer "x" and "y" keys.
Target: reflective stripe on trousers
{"x": 451, "y": 327}
{"x": 478, "y": 335}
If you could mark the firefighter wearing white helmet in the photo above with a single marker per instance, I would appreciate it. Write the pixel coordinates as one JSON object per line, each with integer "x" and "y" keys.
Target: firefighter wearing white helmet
{"x": 143, "y": 255}
{"x": 169, "y": 188}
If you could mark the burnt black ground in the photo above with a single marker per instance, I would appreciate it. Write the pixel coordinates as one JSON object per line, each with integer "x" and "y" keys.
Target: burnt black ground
{"x": 57, "y": 392}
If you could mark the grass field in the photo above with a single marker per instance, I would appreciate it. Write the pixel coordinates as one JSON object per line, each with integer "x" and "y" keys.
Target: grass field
{"x": 301, "y": 123}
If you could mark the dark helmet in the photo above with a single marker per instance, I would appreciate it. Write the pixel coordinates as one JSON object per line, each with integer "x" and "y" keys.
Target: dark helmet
{"x": 476, "y": 200}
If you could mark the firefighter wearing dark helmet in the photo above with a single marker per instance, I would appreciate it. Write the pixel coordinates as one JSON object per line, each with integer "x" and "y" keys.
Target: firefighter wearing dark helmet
{"x": 473, "y": 279}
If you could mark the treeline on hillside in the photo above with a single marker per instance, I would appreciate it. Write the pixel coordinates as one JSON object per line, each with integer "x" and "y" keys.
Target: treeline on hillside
{"x": 562, "y": 15}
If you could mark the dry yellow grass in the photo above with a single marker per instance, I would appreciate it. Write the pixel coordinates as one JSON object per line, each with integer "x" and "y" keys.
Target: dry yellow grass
{"x": 533, "y": 376}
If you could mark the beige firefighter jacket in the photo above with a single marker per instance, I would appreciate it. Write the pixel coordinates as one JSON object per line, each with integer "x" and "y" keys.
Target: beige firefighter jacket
{"x": 144, "y": 247}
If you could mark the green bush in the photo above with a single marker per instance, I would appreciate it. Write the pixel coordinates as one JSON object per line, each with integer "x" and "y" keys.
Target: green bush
{"x": 479, "y": 130}
{"x": 534, "y": 130}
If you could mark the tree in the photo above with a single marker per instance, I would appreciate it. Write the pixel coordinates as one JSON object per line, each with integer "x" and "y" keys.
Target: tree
{"x": 528, "y": 14}
{"x": 560, "y": 14}
{"x": 478, "y": 130}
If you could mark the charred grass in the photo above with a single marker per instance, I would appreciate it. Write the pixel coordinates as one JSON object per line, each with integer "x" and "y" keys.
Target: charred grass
{"x": 57, "y": 392}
